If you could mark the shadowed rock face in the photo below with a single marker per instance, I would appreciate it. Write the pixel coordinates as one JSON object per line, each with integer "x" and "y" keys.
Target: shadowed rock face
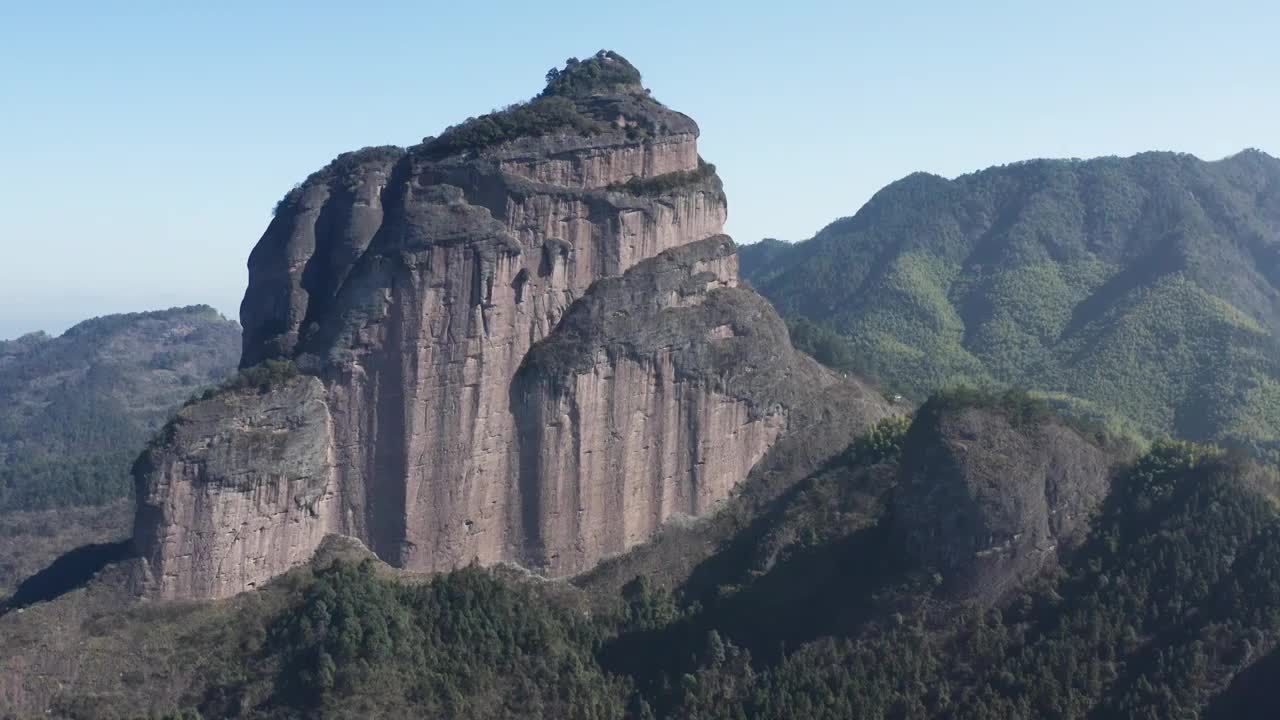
{"x": 410, "y": 286}
{"x": 988, "y": 503}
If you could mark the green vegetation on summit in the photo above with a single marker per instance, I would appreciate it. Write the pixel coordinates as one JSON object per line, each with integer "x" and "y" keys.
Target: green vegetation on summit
{"x": 606, "y": 72}
{"x": 565, "y": 105}
{"x": 1145, "y": 287}
{"x": 663, "y": 184}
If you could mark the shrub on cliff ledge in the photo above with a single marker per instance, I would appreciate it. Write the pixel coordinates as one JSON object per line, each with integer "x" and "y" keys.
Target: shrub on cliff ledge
{"x": 663, "y": 184}
{"x": 540, "y": 116}
{"x": 260, "y": 377}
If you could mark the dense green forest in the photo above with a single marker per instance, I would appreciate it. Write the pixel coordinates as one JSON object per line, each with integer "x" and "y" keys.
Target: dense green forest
{"x": 1145, "y": 289}
{"x": 1169, "y": 608}
{"x": 76, "y": 409}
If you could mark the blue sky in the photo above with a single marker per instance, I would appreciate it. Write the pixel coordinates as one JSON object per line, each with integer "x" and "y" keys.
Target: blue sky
{"x": 145, "y": 144}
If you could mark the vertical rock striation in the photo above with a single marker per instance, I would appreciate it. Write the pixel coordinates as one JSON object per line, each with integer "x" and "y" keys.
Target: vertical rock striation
{"x": 642, "y": 405}
{"x": 410, "y": 287}
{"x": 237, "y": 490}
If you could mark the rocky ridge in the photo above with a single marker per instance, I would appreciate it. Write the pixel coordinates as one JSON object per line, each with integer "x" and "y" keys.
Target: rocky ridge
{"x": 989, "y": 496}
{"x": 521, "y": 341}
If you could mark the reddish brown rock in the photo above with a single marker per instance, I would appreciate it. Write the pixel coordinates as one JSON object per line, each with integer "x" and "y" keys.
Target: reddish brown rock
{"x": 410, "y": 287}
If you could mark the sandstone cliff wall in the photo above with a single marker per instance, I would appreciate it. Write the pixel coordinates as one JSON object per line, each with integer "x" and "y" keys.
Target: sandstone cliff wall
{"x": 626, "y": 447}
{"x": 593, "y": 169}
{"x": 627, "y": 416}
{"x": 239, "y": 492}
{"x": 413, "y": 287}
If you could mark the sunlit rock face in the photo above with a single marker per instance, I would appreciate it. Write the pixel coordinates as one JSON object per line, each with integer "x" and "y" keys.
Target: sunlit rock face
{"x": 423, "y": 293}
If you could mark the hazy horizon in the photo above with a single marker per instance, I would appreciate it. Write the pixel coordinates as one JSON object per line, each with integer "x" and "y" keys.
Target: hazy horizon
{"x": 148, "y": 147}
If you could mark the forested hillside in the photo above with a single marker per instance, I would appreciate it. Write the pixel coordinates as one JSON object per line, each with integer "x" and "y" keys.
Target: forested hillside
{"x": 1146, "y": 287}
{"x": 76, "y": 409}
{"x": 1164, "y": 605}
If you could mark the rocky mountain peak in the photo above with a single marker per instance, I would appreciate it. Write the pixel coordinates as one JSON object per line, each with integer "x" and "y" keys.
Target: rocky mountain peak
{"x": 994, "y": 488}
{"x": 522, "y": 341}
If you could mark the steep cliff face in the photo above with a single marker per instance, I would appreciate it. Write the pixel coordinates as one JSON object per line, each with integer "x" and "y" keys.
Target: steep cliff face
{"x": 642, "y": 405}
{"x": 247, "y": 490}
{"x": 989, "y": 500}
{"x": 412, "y": 284}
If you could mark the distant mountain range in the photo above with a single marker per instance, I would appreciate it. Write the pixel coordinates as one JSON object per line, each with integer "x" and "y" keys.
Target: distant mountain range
{"x": 1142, "y": 289}
{"x": 75, "y": 410}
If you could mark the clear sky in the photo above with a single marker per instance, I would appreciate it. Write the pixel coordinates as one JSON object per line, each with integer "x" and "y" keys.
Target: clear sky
{"x": 144, "y": 144}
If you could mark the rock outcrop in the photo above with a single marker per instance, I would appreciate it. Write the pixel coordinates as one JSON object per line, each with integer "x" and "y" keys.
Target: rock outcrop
{"x": 988, "y": 500}
{"x": 646, "y": 403}
{"x": 246, "y": 492}
{"x": 522, "y": 341}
